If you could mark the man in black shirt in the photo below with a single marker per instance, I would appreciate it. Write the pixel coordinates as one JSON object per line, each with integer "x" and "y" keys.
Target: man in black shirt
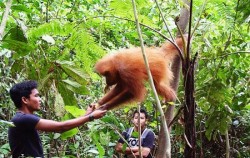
{"x": 147, "y": 137}
{"x": 23, "y": 138}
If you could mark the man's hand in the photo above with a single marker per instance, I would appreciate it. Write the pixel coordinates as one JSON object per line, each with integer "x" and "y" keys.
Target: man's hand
{"x": 98, "y": 113}
{"x": 96, "y": 105}
{"x": 90, "y": 109}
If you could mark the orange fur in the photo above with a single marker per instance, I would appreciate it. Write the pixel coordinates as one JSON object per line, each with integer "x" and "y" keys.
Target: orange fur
{"x": 127, "y": 72}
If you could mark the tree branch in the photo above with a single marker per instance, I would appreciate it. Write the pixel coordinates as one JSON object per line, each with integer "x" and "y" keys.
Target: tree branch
{"x": 5, "y": 17}
{"x": 116, "y": 17}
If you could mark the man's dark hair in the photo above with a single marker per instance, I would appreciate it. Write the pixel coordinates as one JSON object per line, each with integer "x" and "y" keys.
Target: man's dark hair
{"x": 141, "y": 111}
{"x": 20, "y": 90}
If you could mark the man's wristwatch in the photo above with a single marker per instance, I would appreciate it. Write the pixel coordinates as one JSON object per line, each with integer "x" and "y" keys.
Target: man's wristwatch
{"x": 91, "y": 117}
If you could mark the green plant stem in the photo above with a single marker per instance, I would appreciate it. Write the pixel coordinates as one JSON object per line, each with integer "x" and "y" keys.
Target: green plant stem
{"x": 121, "y": 136}
{"x": 164, "y": 20}
{"x": 168, "y": 146}
{"x": 227, "y": 145}
{"x": 199, "y": 19}
{"x": 59, "y": 8}
{"x": 47, "y": 12}
{"x": 139, "y": 129}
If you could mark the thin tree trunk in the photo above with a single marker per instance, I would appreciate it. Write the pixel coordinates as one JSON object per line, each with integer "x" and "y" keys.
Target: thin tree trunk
{"x": 167, "y": 149}
{"x": 176, "y": 66}
{"x": 5, "y": 17}
{"x": 189, "y": 113}
{"x": 189, "y": 104}
{"x": 170, "y": 110}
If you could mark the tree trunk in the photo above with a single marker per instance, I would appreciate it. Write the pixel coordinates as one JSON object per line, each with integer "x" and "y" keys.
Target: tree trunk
{"x": 189, "y": 113}
{"x": 188, "y": 69}
{"x": 170, "y": 110}
{"x": 176, "y": 66}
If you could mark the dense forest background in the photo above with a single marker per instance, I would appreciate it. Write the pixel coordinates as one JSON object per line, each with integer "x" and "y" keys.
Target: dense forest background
{"x": 57, "y": 42}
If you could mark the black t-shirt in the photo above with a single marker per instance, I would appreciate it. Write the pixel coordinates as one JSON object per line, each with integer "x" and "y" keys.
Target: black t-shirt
{"x": 148, "y": 141}
{"x": 24, "y": 138}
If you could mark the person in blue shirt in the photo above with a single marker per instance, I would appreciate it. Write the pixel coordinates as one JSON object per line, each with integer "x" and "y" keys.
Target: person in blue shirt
{"x": 147, "y": 137}
{"x": 24, "y": 139}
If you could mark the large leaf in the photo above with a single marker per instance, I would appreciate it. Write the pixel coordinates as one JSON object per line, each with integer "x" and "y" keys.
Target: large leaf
{"x": 20, "y": 7}
{"x": 52, "y": 28}
{"x": 73, "y": 72}
{"x": 16, "y": 33}
{"x": 21, "y": 48}
{"x": 247, "y": 107}
{"x": 75, "y": 87}
{"x": 69, "y": 134}
{"x": 68, "y": 96}
{"x": 75, "y": 111}
{"x": 59, "y": 105}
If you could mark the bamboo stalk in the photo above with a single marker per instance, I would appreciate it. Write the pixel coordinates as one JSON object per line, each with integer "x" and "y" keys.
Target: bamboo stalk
{"x": 165, "y": 128}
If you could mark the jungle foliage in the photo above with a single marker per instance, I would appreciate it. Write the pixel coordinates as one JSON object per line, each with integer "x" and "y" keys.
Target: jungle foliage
{"x": 58, "y": 42}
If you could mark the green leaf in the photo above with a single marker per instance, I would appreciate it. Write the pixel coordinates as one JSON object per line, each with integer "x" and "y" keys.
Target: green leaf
{"x": 19, "y": 7}
{"x": 69, "y": 133}
{"x": 94, "y": 151}
{"x": 223, "y": 125}
{"x": 135, "y": 134}
{"x": 76, "y": 87}
{"x": 59, "y": 105}
{"x": 5, "y": 148}
{"x": 8, "y": 123}
{"x": 53, "y": 27}
{"x": 247, "y": 106}
{"x": 86, "y": 49}
{"x": 124, "y": 146}
{"x": 105, "y": 138}
{"x": 16, "y": 67}
{"x": 217, "y": 92}
{"x": 76, "y": 145}
{"x": 124, "y": 8}
{"x": 68, "y": 96}
{"x": 75, "y": 111}
{"x": 15, "y": 33}
{"x": 21, "y": 48}
{"x": 208, "y": 133}
{"x": 228, "y": 109}
{"x": 73, "y": 72}
{"x": 48, "y": 39}
{"x": 31, "y": 70}
{"x": 56, "y": 135}
{"x": 111, "y": 120}
{"x": 44, "y": 81}
{"x": 100, "y": 149}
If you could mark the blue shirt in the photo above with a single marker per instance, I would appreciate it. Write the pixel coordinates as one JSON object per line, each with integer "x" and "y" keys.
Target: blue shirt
{"x": 148, "y": 141}
{"x": 24, "y": 138}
